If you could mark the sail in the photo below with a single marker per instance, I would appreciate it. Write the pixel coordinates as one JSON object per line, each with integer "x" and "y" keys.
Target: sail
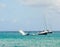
{"x": 22, "y": 32}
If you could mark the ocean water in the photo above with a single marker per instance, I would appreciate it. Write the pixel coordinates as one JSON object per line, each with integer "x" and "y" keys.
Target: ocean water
{"x": 15, "y": 39}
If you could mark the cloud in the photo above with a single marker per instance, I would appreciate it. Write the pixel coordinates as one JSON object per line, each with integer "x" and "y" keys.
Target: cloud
{"x": 38, "y": 3}
{"x": 53, "y": 5}
{"x": 33, "y": 2}
{"x": 2, "y": 5}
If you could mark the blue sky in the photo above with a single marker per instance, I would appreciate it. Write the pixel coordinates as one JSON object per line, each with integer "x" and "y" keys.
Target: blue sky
{"x": 29, "y": 14}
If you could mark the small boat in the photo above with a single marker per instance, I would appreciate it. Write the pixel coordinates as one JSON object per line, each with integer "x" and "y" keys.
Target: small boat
{"x": 50, "y": 31}
{"x": 23, "y": 33}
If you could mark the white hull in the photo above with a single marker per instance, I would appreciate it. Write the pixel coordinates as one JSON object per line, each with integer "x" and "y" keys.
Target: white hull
{"x": 43, "y": 32}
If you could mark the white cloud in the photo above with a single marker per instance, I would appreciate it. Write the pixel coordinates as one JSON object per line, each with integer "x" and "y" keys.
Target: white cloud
{"x": 2, "y": 5}
{"x": 35, "y": 2}
{"x": 52, "y": 3}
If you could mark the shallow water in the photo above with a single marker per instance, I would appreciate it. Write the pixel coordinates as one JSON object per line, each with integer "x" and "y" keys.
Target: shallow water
{"x": 15, "y": 39}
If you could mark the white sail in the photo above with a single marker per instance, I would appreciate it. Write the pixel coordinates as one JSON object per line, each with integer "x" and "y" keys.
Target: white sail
{"x": 22, "y": 32}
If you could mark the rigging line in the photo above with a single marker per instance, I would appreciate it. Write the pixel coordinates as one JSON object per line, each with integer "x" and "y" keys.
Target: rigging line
{"x": 45, "y": 21}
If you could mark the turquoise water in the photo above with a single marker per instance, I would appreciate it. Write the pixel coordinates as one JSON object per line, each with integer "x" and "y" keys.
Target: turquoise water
{"x": 15, "y": 39}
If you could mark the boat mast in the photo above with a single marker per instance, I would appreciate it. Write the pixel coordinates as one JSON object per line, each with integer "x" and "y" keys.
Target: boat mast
{"x": 45, "y": 21}
{"x": 46, "y": 27}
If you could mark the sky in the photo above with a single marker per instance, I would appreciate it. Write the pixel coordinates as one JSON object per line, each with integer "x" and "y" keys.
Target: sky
{"x": 29, "y": 15}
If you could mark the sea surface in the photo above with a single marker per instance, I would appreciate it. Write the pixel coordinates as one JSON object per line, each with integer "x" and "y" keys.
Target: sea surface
{"x": 15, "y": 39}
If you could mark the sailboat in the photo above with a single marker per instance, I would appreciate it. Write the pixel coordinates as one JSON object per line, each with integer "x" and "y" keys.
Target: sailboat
{"x": 46, "y": 30}
{"x": 23, "y": 33}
